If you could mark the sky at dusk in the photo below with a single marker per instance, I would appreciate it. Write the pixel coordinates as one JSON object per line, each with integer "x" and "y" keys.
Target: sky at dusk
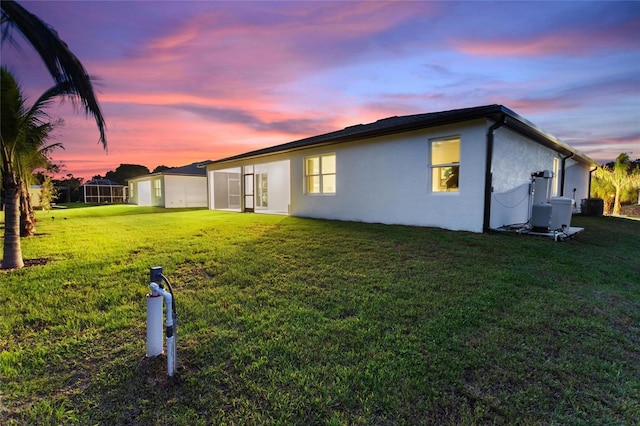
{"x": 180, "y": 82}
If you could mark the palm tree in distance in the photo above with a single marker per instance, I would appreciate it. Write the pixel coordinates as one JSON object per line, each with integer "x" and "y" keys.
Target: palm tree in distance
{"x": 62, "y": 64}
{"x": 619, "y": 178}
{"x": 30, "y": 159}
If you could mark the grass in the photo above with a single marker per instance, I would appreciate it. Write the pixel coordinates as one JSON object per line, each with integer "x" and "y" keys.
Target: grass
{"x": 296, "y": 321}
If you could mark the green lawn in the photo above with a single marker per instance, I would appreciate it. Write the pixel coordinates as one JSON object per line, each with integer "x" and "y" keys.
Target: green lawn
{"x": 295, "y": 321}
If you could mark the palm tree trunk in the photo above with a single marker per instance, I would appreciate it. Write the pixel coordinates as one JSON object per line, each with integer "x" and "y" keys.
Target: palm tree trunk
{"x": 12, "y": 257}
{"x": 27, "y": 215}
{"x": 616, "y": 202}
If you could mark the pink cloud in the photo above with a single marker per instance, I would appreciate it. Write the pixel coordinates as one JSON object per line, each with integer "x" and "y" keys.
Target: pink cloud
{"x": 229, "y": 55}
{"x": 570, "y": 42}
{"x": 215, "y": 79}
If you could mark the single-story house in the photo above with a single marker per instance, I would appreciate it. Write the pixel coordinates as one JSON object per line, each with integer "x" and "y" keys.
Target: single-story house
{"x": 35, "y": 192}
{"x": 465, "y": 169}
{"x": 103, "y": 191}
{"x": 184, "y": 186}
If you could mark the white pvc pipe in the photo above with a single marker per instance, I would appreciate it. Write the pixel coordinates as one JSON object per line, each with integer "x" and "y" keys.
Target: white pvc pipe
{"x": 154, "y": 325}
{"x": 171, "y": 347}
{"x": 171, "y": 355}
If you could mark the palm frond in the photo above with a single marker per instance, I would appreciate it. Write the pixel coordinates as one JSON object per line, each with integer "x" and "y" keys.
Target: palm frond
{"x": 25, "y": 130}
{"x": 11, "y": 110}
{"x": 60, "y": 89}
{"x": 62, "y": 64}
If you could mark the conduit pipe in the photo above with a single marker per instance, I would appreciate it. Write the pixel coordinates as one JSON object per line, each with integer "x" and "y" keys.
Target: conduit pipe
{"x": 171, "y": 343}
{"x": 590, "y": 178}
{"x": 154, "y": 319}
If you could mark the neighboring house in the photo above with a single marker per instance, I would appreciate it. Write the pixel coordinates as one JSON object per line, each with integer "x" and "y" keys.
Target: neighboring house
{"x": 35, "y": 191}
{"x": 184, "y": 186}
{"x": 466, "y": 169}
{"x": 103, "y": 191}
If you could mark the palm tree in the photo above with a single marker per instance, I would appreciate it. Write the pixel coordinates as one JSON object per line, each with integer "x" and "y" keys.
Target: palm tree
{"x": 62, "y": 64}
{"x": 67, "y": 70}
{"x": 30, "y": 159}
{"x": 621, "y": 177}
{"x": 605, "y": 191}
{"x": 22, "y": 134}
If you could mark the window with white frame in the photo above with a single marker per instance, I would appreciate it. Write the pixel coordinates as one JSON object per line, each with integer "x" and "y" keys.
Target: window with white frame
{"x": 320, "y": 174}
{"x": 445, "y": 164}
{"x": 157, "y": 188}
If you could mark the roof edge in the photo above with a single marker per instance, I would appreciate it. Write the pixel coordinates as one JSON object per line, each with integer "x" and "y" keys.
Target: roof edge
{"x": 395, "y": 124}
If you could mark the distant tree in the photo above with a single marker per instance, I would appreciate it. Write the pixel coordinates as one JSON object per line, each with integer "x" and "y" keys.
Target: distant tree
{"x": 614, "y": 181}
{"x": 67, "y": 189}
{"x": 160, "y": 169}
{"x": 630, "y": 195}
{"x": 30, "y": 159}
{"x": 48, "y": 193}
{"x": 124, "y": 172}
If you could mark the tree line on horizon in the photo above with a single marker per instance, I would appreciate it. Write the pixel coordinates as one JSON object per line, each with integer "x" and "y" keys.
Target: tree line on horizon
{"x": 124, "y": 172}
{"x": 67, "y": 189}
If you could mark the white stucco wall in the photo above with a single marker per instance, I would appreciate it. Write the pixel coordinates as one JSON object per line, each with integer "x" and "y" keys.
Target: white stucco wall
{"x": 177, "y": 191}
{"x": 185, "y": 191}
{"x": 277, "y": 168}
{"x": 278, "y": 186}
{"x": 147, "y": 193}
{"x": 142, "y": 192}
{"x": 515, "y": 158}
{"x": 387, "y": 180}
{"x": 577, "y": 176}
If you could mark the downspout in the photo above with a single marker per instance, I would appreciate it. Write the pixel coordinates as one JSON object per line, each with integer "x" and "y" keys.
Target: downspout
{"x": 562, "y": 166}
{"x": 590, "y": 177}
{"x": 488, "y": 177}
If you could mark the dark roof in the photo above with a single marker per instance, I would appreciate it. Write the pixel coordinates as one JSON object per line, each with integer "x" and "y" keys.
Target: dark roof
{"x": 407, "y": 123}
{"x": 101, "y": 182}
{"x": 190, "y": 169}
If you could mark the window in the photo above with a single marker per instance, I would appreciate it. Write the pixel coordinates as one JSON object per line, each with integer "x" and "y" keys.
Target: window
{"x": 320, "y": 174}
{"x": 157, "y": 188}
{"x": 445, "y": 164}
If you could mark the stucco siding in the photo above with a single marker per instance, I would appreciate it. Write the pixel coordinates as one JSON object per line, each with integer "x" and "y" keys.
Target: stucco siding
{"x": 576, "y": 177}
{"x": 514, "y": 159}
{"x": 142, "y": 193}
{"x": 174, "y": 191}
{"x": 133, "y": 192}
{"x": 221, "y": 196}
{"x": 385, "y": 175}
{"x": 185, "y": 191}
{"x": 387, "y": 180}
{"x": 277, "y": 191}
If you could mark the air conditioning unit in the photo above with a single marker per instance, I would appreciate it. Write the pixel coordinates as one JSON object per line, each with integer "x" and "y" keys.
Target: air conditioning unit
{"x": 592, "y": 206}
